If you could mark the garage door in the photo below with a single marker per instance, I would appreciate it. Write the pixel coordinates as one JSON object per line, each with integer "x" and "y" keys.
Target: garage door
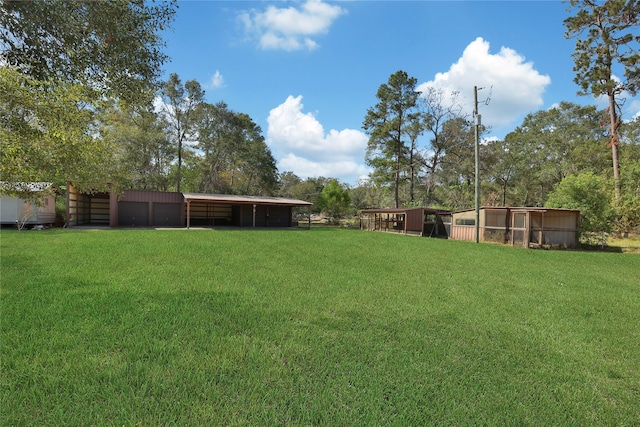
{"x": 167, "y": 214}
{"x": 133, "y": 214}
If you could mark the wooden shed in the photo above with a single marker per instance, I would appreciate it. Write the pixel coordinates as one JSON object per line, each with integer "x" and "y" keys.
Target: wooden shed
{"x": 36, "y": 207}
{"x": 416, "y": 221}
{"x": 134, "y": 208}
{"x": 519, "y": 226}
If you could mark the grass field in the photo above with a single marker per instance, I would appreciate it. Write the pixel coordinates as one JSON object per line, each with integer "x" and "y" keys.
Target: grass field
{"x": 315, "y": 327}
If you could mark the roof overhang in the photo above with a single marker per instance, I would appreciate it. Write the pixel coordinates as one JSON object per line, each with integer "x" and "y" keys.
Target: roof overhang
{"x": 243, "y": 200}
{"x": 519, "y": 209}
{"x": 405, "y": 210}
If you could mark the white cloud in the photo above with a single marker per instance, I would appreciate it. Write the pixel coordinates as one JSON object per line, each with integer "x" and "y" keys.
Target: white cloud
{"x": 302, "y": 146}
{"x": 347, "y": 171}
{"x": 290, "y": 28}
{"x": 217, "y": 81}
{"x": 514, "y": 86}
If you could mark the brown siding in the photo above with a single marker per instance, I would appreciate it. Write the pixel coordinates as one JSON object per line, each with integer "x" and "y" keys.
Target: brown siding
{"x": 133, "y": 214}
{"x": 414, "y": 221}
{"x": 278, "y": 216}
{"x": 151, "y": 196}
{"x": 167, "y": 214}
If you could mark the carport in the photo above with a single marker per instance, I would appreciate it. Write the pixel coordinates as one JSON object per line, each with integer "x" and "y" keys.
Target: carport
{"x": 241, "y": 211}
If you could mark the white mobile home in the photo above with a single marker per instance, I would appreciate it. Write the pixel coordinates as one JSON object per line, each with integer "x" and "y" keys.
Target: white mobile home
{"x": 36, "y": 206}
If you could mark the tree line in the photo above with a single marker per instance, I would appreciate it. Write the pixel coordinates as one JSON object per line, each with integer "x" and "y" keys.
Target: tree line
{"x": 79, "y": 84}
{"x": 569, "y": 156}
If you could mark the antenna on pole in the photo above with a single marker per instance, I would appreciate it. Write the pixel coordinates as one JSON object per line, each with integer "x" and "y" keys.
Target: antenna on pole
{"x": 488, "y": 98}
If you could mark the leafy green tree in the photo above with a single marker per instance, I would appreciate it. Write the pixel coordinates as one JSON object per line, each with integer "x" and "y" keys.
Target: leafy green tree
{"x": 436, "y": 113}
{"x": 334, "y": 200}
{"x": 309, "y": 189}
{"x": 216, "y": 131}
{"x": 61, "y": 60}
{"x": 114, "y": 47}
{"x": 590, "y": 194}
{"x": 454, "y": 174}
{"x": 181, "y": 112}
{"x": 255, "y": 171}
{"x": 144, "y": 152}
{"x": 287, "y": 182}
{"x": 389, "y": 125}
{"x": 365, "y": 195}
{"x": 44, "y": 134}
{"x": 629, "y": 206}
{"x": 548, "y": 146}
{"x": 607, "y": 37}
{"x": 235, "y": 158}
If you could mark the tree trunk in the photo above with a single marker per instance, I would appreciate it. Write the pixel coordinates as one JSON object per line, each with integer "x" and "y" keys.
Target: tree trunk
{"x": 179, "y": 164}
{"x": 614, "y": 142}
{"x": 413, "y": 177}
{"x": 397, "y": 179}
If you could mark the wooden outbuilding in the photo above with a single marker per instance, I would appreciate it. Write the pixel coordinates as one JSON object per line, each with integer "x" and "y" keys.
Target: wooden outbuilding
{"x": 420, "y": 221}
{"x": 134, "y": 208}
{"x": 519, "y": 226}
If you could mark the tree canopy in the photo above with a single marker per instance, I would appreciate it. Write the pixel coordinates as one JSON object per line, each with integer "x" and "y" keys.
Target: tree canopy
{"x": 606, "y": 38}
{"x": 390, "y": 124}
{"x": 181, "y": 109}
{"x": 112, "y": 46}
{"x": 62, "y": 61}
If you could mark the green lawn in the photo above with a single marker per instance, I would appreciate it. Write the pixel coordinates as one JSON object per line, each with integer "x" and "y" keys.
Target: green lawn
{"x": 315, "y": 327}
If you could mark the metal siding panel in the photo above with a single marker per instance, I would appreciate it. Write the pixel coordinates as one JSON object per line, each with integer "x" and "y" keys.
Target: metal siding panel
{"x": 462, "y": 232}
{"x": 279, "y": 216}
{"x": 152, "y": 196}
{"x": 133, "y": 214}
{"x": 246, "y": 215}
{"x": 167, "y": 214}
{"x": 261, "y": 216}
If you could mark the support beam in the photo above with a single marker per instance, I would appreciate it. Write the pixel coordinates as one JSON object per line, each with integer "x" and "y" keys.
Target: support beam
{"x": 254, "y": 216}
{"x": 188, "y": 213}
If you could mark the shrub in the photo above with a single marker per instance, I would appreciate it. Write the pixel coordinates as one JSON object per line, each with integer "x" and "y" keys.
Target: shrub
{"x": 589, "y": 193}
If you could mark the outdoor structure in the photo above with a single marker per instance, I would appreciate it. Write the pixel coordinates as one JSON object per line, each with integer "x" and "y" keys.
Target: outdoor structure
{"x": 415, "y": 221}
{"x": 134, "y": 208}
{"x": 241, "y": 211}
{"x": 37, "y": 210}
{"x": 519, "y": 226}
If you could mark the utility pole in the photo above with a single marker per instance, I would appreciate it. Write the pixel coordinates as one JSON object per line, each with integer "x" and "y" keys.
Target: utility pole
{"x": 477, "y": 162}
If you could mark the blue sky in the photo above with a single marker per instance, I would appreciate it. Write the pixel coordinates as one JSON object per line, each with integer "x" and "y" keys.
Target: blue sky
{"x": 307, "y": 71}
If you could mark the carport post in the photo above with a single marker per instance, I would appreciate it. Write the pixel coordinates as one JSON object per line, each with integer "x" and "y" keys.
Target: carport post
{"x": 188, "y": 213}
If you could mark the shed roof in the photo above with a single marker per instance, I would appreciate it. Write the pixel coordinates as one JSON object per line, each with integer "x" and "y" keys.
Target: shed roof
{"x": 521, "y": 209}
{"x": 404, "y": 210}
{"x": 248, "y": 200}
{"x": 28, "y": 189}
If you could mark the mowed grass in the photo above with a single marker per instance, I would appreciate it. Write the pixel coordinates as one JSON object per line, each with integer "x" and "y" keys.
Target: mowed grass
{"x": 316, "y": 327}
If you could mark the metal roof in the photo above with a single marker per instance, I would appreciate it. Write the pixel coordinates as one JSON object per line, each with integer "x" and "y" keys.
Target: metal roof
{"x": 404, "y": 210}
{"x": 521, "y": 209}
{"x": 249, "y": 200}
